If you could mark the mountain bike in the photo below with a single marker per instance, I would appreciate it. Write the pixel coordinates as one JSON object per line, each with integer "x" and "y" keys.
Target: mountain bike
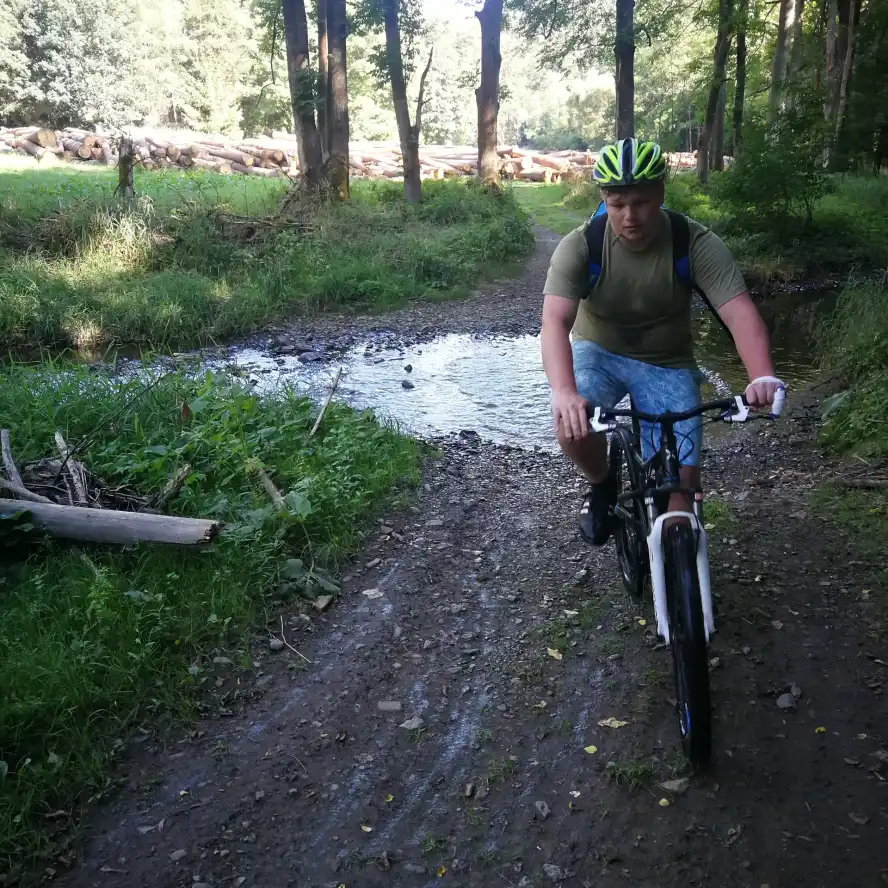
{"x": 670, "y": 548}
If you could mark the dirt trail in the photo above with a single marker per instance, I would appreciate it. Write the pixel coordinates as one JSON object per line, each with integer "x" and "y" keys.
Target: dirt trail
{"x": 317, "y": 782}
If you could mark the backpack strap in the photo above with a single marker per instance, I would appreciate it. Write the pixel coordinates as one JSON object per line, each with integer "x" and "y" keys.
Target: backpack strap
{"x": 595, "y": 246}
{"x": 681, "y": 260}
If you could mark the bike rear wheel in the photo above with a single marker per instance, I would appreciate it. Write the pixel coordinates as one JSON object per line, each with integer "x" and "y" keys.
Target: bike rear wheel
{"x": 688, "y": 643}
{"x": 630, "y": 531}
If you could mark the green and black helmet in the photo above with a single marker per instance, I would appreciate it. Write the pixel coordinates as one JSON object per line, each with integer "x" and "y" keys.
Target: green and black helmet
{"x": 629, "y": 162}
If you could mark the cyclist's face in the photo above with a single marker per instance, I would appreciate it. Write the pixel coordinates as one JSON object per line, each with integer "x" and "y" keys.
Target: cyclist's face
{"x": 634, "y": 212}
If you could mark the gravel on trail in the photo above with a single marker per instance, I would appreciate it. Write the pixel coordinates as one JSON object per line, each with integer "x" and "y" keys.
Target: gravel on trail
{"x": 485, "y": 705}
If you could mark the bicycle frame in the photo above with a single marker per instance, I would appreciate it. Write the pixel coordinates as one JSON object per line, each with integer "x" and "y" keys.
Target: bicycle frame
{"x": 665, "y": 464}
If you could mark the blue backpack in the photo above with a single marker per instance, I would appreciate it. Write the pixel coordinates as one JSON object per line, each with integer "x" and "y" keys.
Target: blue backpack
{"x": 681, "y": 253}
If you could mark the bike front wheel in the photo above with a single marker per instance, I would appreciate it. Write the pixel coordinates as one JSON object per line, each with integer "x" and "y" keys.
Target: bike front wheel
{"x": 688, "y": 635}
{"x": 629, "y": 529}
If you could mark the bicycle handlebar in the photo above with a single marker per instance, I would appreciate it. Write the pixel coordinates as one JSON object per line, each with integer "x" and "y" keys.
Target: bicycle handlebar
{"x": 734, "y": 409}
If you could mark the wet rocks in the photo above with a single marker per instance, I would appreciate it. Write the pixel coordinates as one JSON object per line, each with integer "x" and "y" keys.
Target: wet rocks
{"x": 276, "y": 644}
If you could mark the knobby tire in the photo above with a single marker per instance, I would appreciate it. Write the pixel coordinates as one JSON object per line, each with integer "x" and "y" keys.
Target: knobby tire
{"x": 689, "y": 654}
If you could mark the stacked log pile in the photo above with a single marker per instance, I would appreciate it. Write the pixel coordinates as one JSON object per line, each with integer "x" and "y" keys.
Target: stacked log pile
{"x": 277, "y": 155}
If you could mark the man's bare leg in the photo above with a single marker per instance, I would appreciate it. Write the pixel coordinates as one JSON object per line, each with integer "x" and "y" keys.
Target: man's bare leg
{"x": 588, "y": 454}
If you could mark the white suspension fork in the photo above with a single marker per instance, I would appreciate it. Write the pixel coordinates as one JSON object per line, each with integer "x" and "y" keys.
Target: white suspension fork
{"x": 658, "y": 572}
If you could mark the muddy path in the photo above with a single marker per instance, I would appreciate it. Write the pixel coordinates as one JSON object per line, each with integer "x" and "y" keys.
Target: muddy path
{"x": 433, "y": 739}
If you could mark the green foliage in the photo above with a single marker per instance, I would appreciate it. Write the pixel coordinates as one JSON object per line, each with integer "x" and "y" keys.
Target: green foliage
{"x": 854, "y": 345}
{"x": 93, "y": 642}
{"x": 778, "y": 178}
{"x": 165, "y": 269}
{"x": 80, "y": 62}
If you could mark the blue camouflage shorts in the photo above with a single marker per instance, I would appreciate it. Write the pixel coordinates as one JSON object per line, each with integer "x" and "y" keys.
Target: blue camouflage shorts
{"x": 604, "y": 379}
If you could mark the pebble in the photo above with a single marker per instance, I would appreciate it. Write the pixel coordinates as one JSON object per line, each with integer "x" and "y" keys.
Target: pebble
{"x": 552, "y": 872}
{"x": 276, "y": 644}
{"x": 786, "y": 701}
{"x": 222, "y": 661}
{"x": 388, "y": 706}
{"x": 542, "y": 809}
{"x": 413, "y": 724}
{"x": 407, "y": 384}
{"x": 408, "y": 368}
{"x": 796, "y": 691}
{"x": 679, "y": 786}
{"x": 176, "y": 856}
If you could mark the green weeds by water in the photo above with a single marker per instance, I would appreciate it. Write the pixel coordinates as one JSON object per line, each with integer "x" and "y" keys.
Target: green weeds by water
{"x": 93, "y": 639}
{"x": 849, "y": 227}
{"x": 80, "y": 268}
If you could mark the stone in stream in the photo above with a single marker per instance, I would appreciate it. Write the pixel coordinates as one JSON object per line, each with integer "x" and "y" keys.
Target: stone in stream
{"x": 407, "y": 384}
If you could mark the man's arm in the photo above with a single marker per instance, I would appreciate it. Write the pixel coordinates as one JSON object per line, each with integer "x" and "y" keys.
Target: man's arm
{"x": 568, "y": 406}
{"x": 753, "y": 346}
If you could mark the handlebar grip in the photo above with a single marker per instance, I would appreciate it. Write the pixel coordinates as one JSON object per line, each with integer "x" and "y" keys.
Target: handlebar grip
{"x": 779, "y": 399}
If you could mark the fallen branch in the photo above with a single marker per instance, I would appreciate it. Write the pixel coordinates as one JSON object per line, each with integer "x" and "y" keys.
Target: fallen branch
{"x": 287, "y": 643}
{"x": 111, "y": 526}
{"x": 862, "y": 483}
{"x": 8, "y": 463}
{"x": 172, "y": 488}
{"x": 74, "y": 470}
{"x": 22, "y": 492}
{"x": 272, "y": 491}
{"x": 326, "y": 404}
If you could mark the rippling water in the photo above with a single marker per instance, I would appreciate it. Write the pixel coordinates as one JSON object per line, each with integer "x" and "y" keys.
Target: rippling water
{"x": 496, "y": 387}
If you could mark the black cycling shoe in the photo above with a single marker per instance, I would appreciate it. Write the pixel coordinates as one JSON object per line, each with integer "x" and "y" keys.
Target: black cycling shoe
{"x": 596, "y": 518}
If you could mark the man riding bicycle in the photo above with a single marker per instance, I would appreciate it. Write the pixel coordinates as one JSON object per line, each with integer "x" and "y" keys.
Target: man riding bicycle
{"x": 619, "y": 323}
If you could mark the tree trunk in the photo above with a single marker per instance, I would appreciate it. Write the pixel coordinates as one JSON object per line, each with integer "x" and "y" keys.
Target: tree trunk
{"x": 830, "y": 77}
{"x": 337, "y": 109}
{"x": 740, "y": 86}
{"x": 624, "y": 51}
{"x": 409, "y": 143}
{"x": 125, "y": 162}
{"x": 717, "y": 155}
{"x": 490, "y": 16}
{"x": 302, "y": 92}
{"x": 842, "y": 101}
{"x": 798, "y": 45}
{"x": 778, "y": 63}
{"x": 720, "y": 59}
{"x": 323, "y": 97}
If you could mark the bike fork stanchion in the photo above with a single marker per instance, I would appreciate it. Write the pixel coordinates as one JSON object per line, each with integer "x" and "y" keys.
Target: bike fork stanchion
{"x": 658, "y": 572}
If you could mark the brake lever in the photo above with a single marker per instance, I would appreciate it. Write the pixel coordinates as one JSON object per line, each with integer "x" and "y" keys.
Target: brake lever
{"x": 597, "y": 425}
{"x": 739, "y": 412}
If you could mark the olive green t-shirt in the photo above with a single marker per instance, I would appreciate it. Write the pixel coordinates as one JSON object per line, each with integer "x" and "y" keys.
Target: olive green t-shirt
{"x": 638, "y": 308}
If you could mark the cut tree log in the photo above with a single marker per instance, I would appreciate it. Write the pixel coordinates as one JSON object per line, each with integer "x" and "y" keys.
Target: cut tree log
{"x": 108, "y": 156}
{"x": 240, "y": 157}
{"x": 542, "y": 174}
{"x": 45, "y": 138}
{"x": 216, "y": 166}
{"x": 96, "y": 152}
{"x": 173, "y": 153}
{"x": 157, "y": 151}
{"x": 254, "y": 170}
{"x": 28, "y": 147}
{"x": 111, "y": 526}
{"x": 185, "y": 160}
{"x": 77, "y": 148}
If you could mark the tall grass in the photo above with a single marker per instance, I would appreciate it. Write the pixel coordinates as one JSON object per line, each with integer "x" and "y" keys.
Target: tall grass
{"x": 854, "y": 346}
{"x": 85, "y": 270}
{"x": 93, "y": 639}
